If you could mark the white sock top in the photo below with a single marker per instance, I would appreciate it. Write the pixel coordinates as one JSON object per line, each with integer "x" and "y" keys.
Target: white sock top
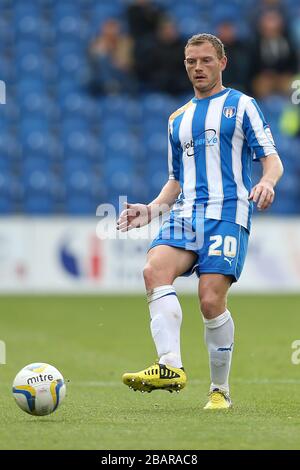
{"x": 217, "y": 321}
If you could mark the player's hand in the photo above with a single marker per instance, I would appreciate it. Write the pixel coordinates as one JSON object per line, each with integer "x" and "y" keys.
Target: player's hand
{"x": 262, "y": 194}
{"x": 133, "y": 216}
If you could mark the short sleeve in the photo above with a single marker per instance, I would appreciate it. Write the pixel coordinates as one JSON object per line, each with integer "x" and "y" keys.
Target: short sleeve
{"x": 173, "y": 155}
{"x": 257, "y": 132}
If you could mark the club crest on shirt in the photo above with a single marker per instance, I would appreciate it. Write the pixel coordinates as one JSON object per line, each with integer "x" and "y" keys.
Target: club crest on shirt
{"x": 229, "y": 111}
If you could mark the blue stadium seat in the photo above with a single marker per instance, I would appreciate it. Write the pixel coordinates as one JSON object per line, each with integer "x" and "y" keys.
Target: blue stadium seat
{"x": 5, "y": 182}
{"x": 99, "y": 187}
{"x": 10, "y": 148}
{"x": 10, "y": 113}
{"x": 46, "y": 4}
{"x": 7, "y": 69}
{"x": 75, "y": 123}
{"x": 72, "y": 165}
{"x": 157, "y": 162}
{"x": 65, "y": 85}
{"x": 289, "y": 184}
{"x": 49, "y": 72}
{"x": 87, "y": 4}
{"x": 38, "y": 198}
{"x": 80, "y": 104}
{"x": 138, "y": 191}
{"x": 82, "y": 204}
{"x": 284, "y": 206}
{"x": 25, "y": 9}
{"x": 116, "y": 106}
{"x": 69, "y": 64}
{"x": 190, "y": 25}
{"x": 273, "y": 105}
{"x": 27, "y": 46}
{"x": 226, "y": 11}
{"x": 155, "y": 124}
{"x": 30, "y": 125}
{"x": 157, "y": 180}
{"x": 68, "y": 24}
{"x": 156, "y": 142}
{"x": 38, "y": 204}
{"x": 39, "y": 105}
{"x": 165, "y": 3}
{"x": 118, "y": 163}
{"x": 37, "y": 180}
{"x": 6, "y": 205}
{"x": 78, "y": 180}
{"x": 28, "y": 26}
{"x": 6, "y": 32}
{"x": 4, "y": 125}
{"x": 29, "y": 85}
{"x": 69, "y": 46}
{"x": 118, "y": 174}
{"x": 33, "y": 164}
{"x": 114, "y": 125}
{"x": 5, "y": 163}
{"x": 121, "y": 142}
{"x": 187, "y": 9}
{"x": 65, "y": 8}
{"x": 158, "y": 104}
{"x": 78, "y": 144}
{"x": 36, "y": 143}
{"x": 104, "y": 11}
{"x": 30, "y": 64}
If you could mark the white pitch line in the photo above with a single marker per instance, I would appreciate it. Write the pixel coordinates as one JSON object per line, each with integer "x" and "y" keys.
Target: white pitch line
{"x": 103, "y": 383}
{"x": 195, "y": 382}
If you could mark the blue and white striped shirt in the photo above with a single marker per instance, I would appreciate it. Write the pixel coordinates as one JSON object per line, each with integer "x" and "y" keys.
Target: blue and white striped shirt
{"x": 212, "y": 142}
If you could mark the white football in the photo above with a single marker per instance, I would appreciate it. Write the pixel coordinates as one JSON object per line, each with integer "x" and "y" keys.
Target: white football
{"x": 39, "y": 389}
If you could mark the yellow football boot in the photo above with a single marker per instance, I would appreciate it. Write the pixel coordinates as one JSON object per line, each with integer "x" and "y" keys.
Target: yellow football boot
{"x": 218, "y": 400}
{"x": 156, "y": 377}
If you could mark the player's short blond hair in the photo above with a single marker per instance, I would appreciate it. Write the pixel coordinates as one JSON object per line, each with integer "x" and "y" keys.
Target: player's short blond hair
{"x": 205, "y": 37}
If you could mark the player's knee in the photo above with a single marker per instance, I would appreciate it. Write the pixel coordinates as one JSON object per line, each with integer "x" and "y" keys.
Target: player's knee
{"x": 150, "y": 275}
{"x": 155, "y": 276}
{"x": 211, "y": 305}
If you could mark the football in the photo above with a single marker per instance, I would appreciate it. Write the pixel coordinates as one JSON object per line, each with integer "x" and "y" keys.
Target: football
{"x": 39, "y": 389}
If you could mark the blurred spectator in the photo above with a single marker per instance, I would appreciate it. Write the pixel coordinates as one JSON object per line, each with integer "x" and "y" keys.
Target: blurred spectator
{"x": 274, "y": 58}
{"x": 295, "y": 34}
{"x": 143, "y": 21}
{"x": 111, "y": 61}
{"x": 166, "y": 61}
{"x": 264, "y": 6}
{"x": 236, "y": 75}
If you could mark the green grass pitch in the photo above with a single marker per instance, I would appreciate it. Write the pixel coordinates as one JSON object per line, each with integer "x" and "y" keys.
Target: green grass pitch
{"x": 93, "y": 340}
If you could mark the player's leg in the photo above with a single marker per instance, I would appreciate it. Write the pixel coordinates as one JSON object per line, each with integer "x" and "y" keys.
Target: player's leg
{"x": 219, "y": 335}
{"x": 164, "y": 265}
{"x": 221, "y": 261}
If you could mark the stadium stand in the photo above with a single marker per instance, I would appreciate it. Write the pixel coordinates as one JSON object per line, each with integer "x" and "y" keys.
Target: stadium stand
{"x": 64, "y": 150}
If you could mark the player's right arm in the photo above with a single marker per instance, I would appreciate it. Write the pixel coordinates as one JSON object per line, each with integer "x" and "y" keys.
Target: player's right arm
{"x": 137, "y": 215}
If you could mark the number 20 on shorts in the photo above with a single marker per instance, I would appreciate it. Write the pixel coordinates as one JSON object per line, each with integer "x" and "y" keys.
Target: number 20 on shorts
{"x": 219, "y": 247}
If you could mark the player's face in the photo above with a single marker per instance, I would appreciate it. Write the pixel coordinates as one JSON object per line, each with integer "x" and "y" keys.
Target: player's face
{"x": 203, "y": 66}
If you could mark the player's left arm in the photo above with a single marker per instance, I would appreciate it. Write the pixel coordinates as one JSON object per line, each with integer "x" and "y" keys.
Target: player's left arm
{"x": 261, "y": 142}
{"x": 263, "y": 193}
